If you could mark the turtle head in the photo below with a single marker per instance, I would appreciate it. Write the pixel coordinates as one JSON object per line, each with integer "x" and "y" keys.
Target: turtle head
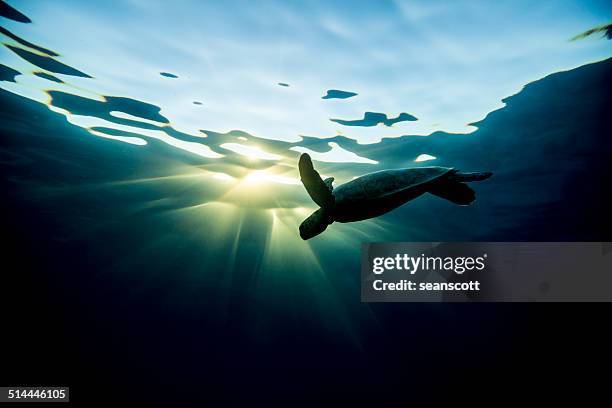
{"x": 315, "y": 224}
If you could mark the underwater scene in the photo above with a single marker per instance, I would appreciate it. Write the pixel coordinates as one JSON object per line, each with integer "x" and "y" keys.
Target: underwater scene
{"x": 152, "y": 199}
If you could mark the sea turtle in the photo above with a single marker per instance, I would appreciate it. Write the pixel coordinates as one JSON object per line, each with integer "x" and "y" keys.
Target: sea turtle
{"x": 377, "y": 193}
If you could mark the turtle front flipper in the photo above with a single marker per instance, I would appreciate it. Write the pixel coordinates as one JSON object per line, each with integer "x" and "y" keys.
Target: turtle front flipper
{"x": 317, "y": 189}
{"x": 329, "y": 183}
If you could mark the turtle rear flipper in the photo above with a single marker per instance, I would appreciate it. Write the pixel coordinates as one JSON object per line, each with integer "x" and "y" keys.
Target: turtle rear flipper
{"x": 467, "y": 177}
{"x": 454, "y": 191}
{"x": 317, "y": 189}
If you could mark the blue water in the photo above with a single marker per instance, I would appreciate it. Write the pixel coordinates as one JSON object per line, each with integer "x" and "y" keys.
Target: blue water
{"x": 149, "y": 169}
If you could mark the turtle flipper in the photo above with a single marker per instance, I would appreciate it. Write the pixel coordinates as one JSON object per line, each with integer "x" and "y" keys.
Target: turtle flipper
{"x": 454, "y": 191}
{"x": 317, "y": 189}
{"x": 467, "y": 177}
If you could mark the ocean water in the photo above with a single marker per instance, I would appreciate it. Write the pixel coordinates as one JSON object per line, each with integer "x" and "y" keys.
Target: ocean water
{"x": 152, "y": 200}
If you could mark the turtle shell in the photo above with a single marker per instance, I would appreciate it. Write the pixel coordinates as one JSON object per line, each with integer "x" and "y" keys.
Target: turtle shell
{"x": 388, "y": 182}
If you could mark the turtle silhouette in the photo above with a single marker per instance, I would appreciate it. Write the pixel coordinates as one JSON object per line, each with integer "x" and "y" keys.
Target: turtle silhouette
{"x": 377, "y": 193}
